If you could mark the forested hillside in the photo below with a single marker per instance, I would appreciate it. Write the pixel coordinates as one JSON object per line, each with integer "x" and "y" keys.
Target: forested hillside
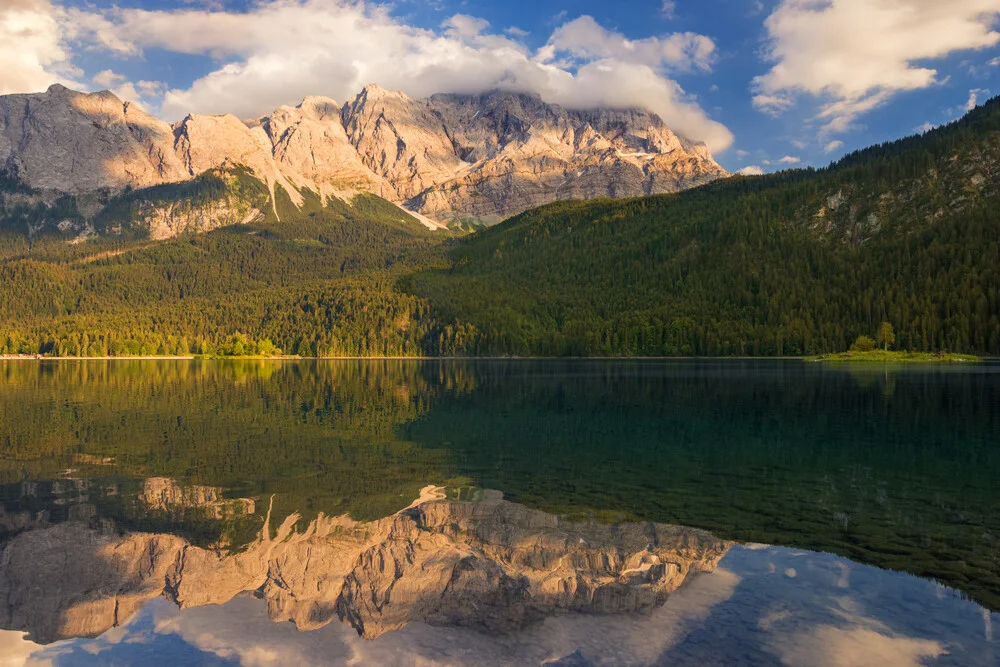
{"x": 799, "y": 262}
{"x": 319, "y": 282}
{"x": 795, "y": 263}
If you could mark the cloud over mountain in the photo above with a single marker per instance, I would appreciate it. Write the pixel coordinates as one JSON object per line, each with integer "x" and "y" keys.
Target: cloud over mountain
{"x": 31, "y": 47}
{"x": 279, "y": 51}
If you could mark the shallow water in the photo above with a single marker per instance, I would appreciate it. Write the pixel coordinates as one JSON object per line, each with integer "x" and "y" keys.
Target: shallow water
{"x": 576, "y": 512}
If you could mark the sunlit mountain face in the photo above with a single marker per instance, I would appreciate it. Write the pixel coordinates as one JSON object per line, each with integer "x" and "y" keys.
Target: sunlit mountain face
{"x": 484, "y": 512}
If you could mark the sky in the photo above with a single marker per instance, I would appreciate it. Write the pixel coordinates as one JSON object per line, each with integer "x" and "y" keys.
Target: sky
{"x": 767, "y": 84}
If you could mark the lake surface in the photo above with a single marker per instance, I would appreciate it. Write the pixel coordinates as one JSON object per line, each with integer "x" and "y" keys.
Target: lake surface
{"x": 522, "y": 512}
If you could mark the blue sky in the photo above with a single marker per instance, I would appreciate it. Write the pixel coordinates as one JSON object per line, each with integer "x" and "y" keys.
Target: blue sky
{"x": 766, "y": 83}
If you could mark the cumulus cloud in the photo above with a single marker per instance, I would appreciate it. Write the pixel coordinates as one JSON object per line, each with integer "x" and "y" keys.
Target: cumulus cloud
{"x": 463, "y": 26}
{"x": 788, "y": 159}
{"x": 854, "y": 55}
{"x": 833, "y": 146}
{"x": 586, "y": 38}
{"x": 752, "y": 170}
{"x": 282, "y": 50}
{"x": 973, "y": 100}
{"x": 33, "y": 54}
{"x": 140, "y": 91}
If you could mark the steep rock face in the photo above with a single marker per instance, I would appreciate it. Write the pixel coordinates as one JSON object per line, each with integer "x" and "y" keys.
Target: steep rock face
{"x": 401, "y": 140}
{"x": 168, "y": 221}
{"x": 490, "y": 564}
{"x": 527, "y": 153}
{"x": 310, "y": 140}
{"x": 210, "y": 142}
{"x": 451, "y": 157}
{"x": 76, "y": 142}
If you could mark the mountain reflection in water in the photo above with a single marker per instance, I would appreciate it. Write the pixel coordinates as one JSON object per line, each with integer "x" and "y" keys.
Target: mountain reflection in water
{"x": 478, "y": 580}
{"x": 507, "y": 574}
{"x": 168, "y": 507}
{"x": 489, "y": 564}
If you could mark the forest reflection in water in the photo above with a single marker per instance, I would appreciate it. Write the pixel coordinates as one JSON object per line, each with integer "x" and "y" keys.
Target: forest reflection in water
{"x": 892, "y": 468}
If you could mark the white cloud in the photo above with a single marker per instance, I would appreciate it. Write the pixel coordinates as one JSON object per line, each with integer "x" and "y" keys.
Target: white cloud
{"x": 282, "y": 50}
{"x": 833, "y": 146}
{"x": 140, "y": 91}
{"x": 788, "y": 159}
{"x": 15, "y": 648}
{"x": 833, "y": 645}
{"x": 668, "y": 9}
{"x": 32, "y": 50}
{"x": 853, "y": 55}
{"x": 995, "y": 62}
{"x": 585, "y": 38}
{"x": 973, "y": 100}
{"x": 465, "y": 27}
{"x": 752, "y": 170}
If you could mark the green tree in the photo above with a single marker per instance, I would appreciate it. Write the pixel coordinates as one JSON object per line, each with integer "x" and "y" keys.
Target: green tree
{"x": 886, "y": 335}
{"x": 863, "y": 344}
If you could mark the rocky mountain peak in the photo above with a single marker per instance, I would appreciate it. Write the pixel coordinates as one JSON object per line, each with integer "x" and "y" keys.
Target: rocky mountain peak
{"x": 400, "y": 140}
{"x": 373, "y": 92}
{"x": 452, "y": 156}
{"x": 75, "y": 142}
{"x": 319, "y": 108}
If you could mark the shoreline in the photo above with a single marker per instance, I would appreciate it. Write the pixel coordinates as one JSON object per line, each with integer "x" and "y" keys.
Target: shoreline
{"x": 921, "y": 358}
{"x": 890, "y": 357}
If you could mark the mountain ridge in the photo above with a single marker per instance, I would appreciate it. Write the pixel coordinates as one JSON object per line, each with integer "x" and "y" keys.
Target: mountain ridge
{"x": 467, "y": 158}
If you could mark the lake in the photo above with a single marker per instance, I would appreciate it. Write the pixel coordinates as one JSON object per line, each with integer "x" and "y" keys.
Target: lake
{"x": 499, "y": 512}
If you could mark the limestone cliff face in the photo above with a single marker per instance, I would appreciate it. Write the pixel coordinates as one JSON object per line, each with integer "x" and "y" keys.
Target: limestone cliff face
{"x": 451, "y": 157}
{"x": 402, "y": 140}
{"x": 76, "y": 142}
{"x": 526, "y": 153}
{"x": 490, "y": 564}
{"x": 210, "y": 142}
{"x": 310, "y": 140}
{"x": 170, "y": 220}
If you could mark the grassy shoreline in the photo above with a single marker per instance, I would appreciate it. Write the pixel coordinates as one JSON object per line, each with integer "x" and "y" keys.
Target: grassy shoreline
{"x": 883, "y": 356}
{"x": 874, "y": 356}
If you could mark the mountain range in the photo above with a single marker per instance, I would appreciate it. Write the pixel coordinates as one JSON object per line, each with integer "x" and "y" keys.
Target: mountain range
{"x": 800, "y": 262}
{"x": 450, "y": 158}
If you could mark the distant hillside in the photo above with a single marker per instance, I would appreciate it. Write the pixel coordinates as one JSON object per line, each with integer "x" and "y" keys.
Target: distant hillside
{"x": 320, "y": 282}
{"x": 799, "y": 262}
